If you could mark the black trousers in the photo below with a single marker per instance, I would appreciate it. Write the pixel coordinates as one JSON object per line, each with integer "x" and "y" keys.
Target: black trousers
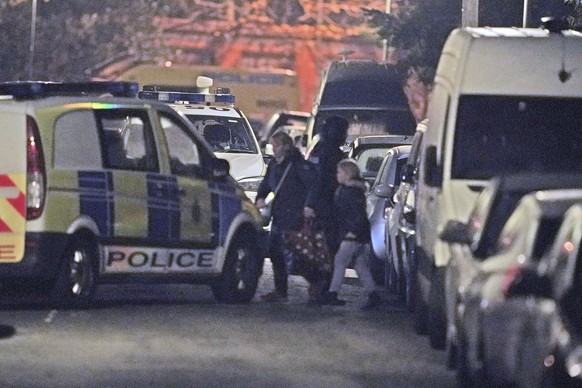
{"x": 276, "y": 254}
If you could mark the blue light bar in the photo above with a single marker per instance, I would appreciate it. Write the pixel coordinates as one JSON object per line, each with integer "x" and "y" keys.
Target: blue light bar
{"x": 192, "y": 98}
{"x": 26, "y": 90}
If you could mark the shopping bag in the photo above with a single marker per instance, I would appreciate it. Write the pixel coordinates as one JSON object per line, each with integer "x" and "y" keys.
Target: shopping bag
{"x": 309, "y": 246}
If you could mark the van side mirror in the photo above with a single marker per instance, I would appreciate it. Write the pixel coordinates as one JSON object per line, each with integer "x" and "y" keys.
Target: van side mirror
{"x": 433, "y": 172}
{"x": 384, "y": 191}
{"x": 220, "y": 168}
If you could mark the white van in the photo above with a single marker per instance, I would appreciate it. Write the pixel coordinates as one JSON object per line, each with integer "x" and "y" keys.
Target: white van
{"x": 505, "y": 100}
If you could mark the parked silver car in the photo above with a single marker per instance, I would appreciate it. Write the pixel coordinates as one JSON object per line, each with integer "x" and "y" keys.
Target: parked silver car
{"x": 492, "y": 209}
{"x": 399, "y": 230}
{"x": 369, "y": 152}
{"x": 380, "y": 203}
{"x": 486, "y": 333}
{"x": 549, "y": 344}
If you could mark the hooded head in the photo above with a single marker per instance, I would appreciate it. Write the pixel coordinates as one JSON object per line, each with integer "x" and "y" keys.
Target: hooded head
{"x": 335, "y": 130}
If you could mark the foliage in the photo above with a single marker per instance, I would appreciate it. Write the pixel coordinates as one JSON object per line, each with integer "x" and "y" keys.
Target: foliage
{"x": 418, "y": 36}
{"x": 73, "y": 36}
{"x": 575, "y": 19}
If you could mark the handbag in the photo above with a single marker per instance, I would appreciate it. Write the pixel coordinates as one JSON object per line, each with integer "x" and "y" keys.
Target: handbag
{"x": 266, "y": 210}
{"x": 309, "y": 246}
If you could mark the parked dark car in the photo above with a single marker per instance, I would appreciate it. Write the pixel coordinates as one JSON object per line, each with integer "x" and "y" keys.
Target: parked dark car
{"x": 368, "y": 94}
{"x": 293, "y": 122}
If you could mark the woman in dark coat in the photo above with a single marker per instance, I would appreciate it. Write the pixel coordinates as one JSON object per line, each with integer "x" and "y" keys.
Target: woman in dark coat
{"x": 287, "y": 208}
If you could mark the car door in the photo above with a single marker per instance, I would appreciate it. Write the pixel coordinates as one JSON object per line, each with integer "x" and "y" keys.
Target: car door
{"x": 196, "y": 222}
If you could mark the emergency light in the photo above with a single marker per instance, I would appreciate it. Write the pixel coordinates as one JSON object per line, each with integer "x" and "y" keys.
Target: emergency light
{"x": 156, "y": 92}
{"x": 187, "y": 94}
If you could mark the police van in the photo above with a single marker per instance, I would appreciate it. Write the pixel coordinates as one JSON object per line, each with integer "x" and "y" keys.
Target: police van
{"x": 216, "y": 117}
{"x": 98, "y": 186}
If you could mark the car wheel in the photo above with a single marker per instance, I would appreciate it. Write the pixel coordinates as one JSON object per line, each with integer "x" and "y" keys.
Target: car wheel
{"x": 463, "y": 371}
{"x": 377, "y": 269}
{"x": 240, "y": 275}
{"x": 420, "y": 314}
{"x": 76, "y": 280}
{"x": 451, "y": 354}
{"x": 534, "y": 346}
{"x": 436, "y": 312}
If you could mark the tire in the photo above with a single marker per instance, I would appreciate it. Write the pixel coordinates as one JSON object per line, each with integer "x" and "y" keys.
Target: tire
{"x": 451, "y": 354}
{"x": 377, "y": 269}
{"x": 437, "y": 327}
{"x": 420, "y": 313}
{"x": 77, "y": 278}
{"x": 410, "y": 277}
{"x": 534, "y": 345}
{"x": 463, "y": 372}
{"x": 241, "y": 272}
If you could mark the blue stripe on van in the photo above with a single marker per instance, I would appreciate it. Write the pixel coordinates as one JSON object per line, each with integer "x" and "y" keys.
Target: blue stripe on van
{"x": 225, "y": 205}
{"x": 96, "y": 199}
{"x": 163, "y": 207}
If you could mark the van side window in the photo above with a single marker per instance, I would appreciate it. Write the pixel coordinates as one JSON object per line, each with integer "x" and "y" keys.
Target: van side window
{"x": 77, "y": 141}
{"x": 183, "y": 150}
{"x": 127, "y": 140}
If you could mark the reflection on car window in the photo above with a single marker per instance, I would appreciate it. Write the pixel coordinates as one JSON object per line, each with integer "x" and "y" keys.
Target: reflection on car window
{"x": 127, "y": 142}
{"x": 225, "y": 134}
{"x": 184, "y": 154}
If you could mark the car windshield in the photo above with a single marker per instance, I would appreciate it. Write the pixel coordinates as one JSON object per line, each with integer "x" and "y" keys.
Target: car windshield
{"x": 225, "y": 134}
{"x": 498, "y": 135}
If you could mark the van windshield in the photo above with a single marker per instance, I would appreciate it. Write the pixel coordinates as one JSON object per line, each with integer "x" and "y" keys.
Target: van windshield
{"x": 498, "y": 135}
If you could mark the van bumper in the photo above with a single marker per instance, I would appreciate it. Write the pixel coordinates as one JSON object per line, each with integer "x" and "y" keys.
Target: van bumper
{"x": 42, "y": 255}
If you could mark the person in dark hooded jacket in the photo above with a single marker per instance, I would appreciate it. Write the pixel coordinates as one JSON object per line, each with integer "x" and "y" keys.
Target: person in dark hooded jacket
{"x": 354, "y": 232}
{"x": 325, "y": 157}
{"x": 289, "y": 167}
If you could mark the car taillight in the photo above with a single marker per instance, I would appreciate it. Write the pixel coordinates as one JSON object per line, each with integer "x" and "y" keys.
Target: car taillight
{"x": 35, "y": 171}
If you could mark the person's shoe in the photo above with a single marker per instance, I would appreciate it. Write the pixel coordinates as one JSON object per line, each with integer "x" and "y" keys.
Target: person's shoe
{"x": 274, "y": 297}
{"x": 331, "y": 299}
{"x": 373, "y": 301}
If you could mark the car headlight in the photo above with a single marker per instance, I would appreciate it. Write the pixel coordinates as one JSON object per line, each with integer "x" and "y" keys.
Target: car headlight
{"x": 250, "y": 184}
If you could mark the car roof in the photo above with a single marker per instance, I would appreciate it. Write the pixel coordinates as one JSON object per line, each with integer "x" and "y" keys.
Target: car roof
{"x": 382, "y": 139}
{"x": 508, "y": 190}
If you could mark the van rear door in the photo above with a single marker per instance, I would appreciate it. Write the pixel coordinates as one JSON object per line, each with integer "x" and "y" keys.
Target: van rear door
{"x": 13, "y": 151}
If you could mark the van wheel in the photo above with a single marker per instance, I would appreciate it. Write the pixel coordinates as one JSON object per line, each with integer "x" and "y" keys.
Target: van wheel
{"x": 436, "y": 311}
{"x": 76, "y": 280}
{"x": 240, "y": 275}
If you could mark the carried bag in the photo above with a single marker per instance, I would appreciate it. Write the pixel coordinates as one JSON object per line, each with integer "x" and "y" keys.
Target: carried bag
{"x": 307, "y": 246}
{"x": 266, "y": 210}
